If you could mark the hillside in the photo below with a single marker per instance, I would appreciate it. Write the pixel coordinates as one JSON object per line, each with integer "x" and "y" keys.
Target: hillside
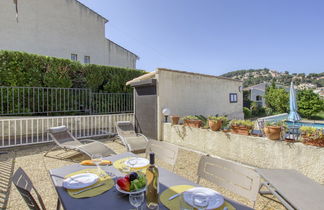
{"x": 255, "y": 76}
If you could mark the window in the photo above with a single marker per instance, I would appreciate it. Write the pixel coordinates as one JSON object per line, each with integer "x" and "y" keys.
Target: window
{"x": 74, "y": 57}
{"x": 259, "y": 98}
{"x": 86, "y": 59}
{"x": 233, "y": 97}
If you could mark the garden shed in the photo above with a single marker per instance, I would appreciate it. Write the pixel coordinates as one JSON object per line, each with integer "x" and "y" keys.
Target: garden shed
{"x": 183, "y": 93}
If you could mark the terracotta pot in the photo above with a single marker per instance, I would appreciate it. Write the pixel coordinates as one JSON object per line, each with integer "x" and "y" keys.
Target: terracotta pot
{"x": 319, "y": 142}
{"x": 193, "y": 123}
{"x": 243, "y": 130}
{"x": 175, "y": 120}
{"x": 273, "y": 132}
{"x": 215, "y": 125}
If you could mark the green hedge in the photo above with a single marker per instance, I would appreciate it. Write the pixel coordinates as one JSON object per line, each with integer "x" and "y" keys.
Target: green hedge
{"x": 29, "y": 70}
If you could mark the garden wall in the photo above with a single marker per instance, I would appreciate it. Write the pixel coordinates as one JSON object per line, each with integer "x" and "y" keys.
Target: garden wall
{"x": 255, "y": 151}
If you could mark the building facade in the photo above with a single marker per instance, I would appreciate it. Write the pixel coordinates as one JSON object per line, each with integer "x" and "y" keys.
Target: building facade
{"x": 60, "y": 28}
{"x": 184, "y": 93}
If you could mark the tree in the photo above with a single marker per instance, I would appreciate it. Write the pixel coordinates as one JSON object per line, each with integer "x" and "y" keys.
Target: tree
{"x": 277, "y": 99}
{"x": 309, "y": 103}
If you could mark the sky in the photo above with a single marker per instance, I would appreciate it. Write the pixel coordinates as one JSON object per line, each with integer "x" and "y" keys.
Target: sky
{"x": 218, "y": 36}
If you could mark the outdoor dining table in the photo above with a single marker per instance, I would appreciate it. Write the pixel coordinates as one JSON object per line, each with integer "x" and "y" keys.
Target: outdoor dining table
{"x": 112, "y": 199}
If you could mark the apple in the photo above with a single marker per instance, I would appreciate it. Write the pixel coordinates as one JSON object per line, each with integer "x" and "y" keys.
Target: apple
{"x": 124, "y": 184}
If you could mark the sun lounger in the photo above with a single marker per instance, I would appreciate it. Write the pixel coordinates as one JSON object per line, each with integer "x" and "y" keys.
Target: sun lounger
{"x": 134, "y": 142}
{"x": 294, "y": 190}
{"x": 65, "y": 140}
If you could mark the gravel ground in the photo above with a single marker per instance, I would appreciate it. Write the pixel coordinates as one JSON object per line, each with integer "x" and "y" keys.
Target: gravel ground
{"x": 31, "y": 159}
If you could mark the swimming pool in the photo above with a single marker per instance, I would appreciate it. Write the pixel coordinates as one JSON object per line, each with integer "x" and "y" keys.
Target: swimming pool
{"x": 315, "y": 125}
{"x": 280, "y": 117}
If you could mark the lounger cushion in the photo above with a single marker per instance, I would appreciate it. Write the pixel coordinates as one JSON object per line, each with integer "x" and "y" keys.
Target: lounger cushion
{"x": 137, "y": 144}
{"x": 58, "y": 129}
{"x": 96, "y": 148}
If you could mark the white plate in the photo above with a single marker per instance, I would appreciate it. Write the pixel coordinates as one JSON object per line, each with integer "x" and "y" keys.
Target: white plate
{"x": 133, "y": 192}
{"x": 80, "y": 181}
{"x": 215, "y": 198}
{"x": 137, "y": 162}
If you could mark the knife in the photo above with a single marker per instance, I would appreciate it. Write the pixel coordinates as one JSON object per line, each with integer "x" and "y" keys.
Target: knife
{"x": 174, "y": 196}
{"x": 90, "y": 188}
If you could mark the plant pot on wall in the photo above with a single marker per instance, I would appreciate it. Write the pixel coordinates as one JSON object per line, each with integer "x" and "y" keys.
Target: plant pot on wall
{"x": 215, "y": 125}
{"x": 175, "y": 120}
{"x": 193, "y": 123}
{"x": 273, "y": 132}
{"x": 319, "y": 142}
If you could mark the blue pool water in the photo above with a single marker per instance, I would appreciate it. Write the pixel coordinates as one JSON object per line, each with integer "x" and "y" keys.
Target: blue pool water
{"x": 316, "y": 125}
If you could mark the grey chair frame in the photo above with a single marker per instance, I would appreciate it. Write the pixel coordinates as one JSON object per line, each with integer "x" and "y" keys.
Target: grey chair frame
{"x": 25, "y": 187}
{"x": 164, "y": 151}
{"x": 129, "y": 132}
{"x": 232, "y": 176}
{"x": 71, "y": 143}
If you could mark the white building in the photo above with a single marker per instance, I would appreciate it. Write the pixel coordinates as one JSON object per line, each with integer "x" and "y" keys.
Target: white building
{"x": 184, "y": 93}
{"x": 60, "y": 28}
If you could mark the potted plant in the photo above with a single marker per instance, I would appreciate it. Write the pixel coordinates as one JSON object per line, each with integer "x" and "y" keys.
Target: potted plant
{"x": 192, "y": 121}
{"x": 242, "y": 127}
{"x": 175, "y": 120}
{"x": 215, "y": 123}
{"x": 312, "y": 136}
{"x": 273, "y": 129}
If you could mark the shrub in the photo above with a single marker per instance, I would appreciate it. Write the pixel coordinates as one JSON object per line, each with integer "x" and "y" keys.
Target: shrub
{"x": 23, "y": 69}
{"x": 268, "y": 111}
{"x": 309, "y": 103}
{"x": 247, "y": 123}
{"x": 190, "y": 117}
{"x": 247, "y": 113}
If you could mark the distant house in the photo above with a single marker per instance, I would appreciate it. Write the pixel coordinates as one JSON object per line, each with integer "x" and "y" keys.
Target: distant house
{"x": 60, "y": 28}
{"x": 319, "y": 91}
{"x": 257, "y": 92}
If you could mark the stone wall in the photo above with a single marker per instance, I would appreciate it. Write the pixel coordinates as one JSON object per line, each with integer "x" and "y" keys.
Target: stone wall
{"x": 254, "y": 151}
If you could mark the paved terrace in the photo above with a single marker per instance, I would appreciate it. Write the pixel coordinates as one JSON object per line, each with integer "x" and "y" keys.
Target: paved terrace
{"x": 31, "y": 159}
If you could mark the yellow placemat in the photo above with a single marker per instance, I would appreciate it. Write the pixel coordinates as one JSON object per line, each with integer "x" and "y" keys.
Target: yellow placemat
{"x": 103, "y": 178}
{"x": 120, "y": 165}
{"x": 175, "y": 203}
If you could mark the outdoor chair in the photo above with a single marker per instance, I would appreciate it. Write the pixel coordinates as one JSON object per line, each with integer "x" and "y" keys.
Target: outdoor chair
{"x": 260, "y": 131}
{"x": 65, "y": 140}
{"x": 166, "y": 152}
{"x": 134, "y": 142}
{"x": 232, "y": 176}
{"x": 292, "y": 132}
{"x": 26, "y": 187}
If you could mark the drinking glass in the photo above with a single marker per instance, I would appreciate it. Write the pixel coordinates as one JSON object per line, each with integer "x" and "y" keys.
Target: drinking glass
{"x": 136, "y": 199}
{"x": 132, "y": 162}
{"x": 200, "y": 200}
{"x": 96, "y": 159}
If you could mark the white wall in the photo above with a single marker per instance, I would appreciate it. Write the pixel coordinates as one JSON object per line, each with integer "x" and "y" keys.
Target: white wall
{"x": 255, "y": 151}
{"x": 196, "y": 94}
{"x": 55, "y": 28}
{"x": 118, "y": 56}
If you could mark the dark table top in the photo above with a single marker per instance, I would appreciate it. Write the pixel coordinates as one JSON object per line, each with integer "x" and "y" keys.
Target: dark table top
{"x": 112, "y": 199}
{"x": 297, "y": 189}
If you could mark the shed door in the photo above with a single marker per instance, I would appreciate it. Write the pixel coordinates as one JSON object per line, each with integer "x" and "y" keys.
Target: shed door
{"x": 145, "y": 109}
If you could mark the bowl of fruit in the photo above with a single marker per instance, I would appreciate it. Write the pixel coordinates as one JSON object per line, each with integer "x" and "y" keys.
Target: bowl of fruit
{"x": 132, "y": 183}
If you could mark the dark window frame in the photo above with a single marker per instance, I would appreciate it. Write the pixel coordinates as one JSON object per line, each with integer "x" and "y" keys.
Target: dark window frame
{"x": 76, "y": 57}
{"x": 233, "y": 98}
{"x": 85, "y": 59}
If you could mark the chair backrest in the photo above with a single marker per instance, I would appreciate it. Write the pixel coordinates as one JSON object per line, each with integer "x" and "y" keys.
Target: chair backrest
{"x": 163, "y": 151}
{"x": 125, "y": 129}
{"x": 62, "y": 136}
{"x": 261, "y": 126}
{"x": 25, "y": 186}
{"x": 230, "y": 175}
